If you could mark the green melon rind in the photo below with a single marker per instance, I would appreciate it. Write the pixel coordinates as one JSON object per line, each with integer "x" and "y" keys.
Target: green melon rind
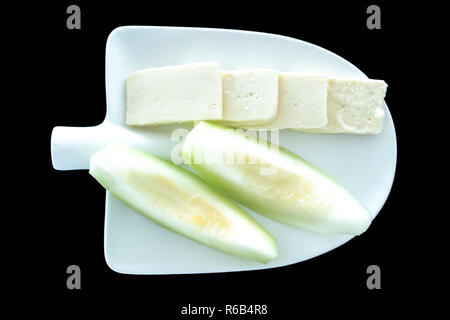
{"x": 110, "y": 167}
{"x": 346, "y": 216}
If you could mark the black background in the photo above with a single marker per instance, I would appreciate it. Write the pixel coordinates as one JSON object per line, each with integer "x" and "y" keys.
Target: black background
{"x": 67, "y": 217}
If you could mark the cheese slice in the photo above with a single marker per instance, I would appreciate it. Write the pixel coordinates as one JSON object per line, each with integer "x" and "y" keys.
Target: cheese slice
{"x": 249, "y": 96}
{"x": 174, "y": 94}
{"x": 302, "y": 101}
{"x": 354, "y": 107}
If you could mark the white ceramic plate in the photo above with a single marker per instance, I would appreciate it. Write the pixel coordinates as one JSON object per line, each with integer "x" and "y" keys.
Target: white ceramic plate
{"x": 135, "y": 245}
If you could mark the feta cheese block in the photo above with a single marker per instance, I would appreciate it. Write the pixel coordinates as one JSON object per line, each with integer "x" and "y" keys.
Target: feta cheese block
{"x": 354, "y": 107}
{"x": 249, "y": 96}
{"x": 302, "y": 101}
{"x": 174, "y": 94}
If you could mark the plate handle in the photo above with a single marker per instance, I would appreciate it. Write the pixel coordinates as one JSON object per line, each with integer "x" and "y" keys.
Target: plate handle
{"x": 72, "y": 147}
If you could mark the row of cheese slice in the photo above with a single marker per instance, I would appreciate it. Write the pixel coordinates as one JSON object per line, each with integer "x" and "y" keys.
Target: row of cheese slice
{"x": 255, "y": 98}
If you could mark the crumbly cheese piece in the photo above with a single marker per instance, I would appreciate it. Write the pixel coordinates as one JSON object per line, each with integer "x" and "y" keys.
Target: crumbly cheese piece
{"x": 174, "y": 94}
{"x": 249, "y": 96}
{"x": 302, "y": 101}
{"x": 354, "y": 107}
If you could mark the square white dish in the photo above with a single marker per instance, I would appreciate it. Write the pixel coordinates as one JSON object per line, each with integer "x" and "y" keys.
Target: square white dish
{"x": 134, "y": 245}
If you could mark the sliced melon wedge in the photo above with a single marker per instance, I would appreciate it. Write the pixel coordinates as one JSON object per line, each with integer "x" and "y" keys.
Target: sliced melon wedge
{"x": 180, "y": 201}
{"x": 272, "y": 181}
